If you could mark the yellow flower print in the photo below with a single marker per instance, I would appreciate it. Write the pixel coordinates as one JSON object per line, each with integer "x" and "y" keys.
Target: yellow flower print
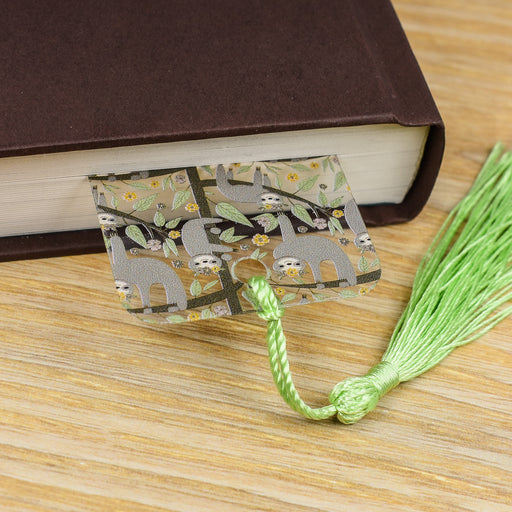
{"x": 192, "y": 207}
{"x": 215, "y": 269}
{"x": 260, "y": 240}
{"x": 154, "y": 184}
{"x": 174, "y": 234}
{"x": 338, "y": 213}
{"x": 130, "y": 196}
{"x": 363, "y": 291}
{"x": 314, "y": 165}
{"x": 268, "y": 206}
{"x": 280, "y": 291}
{"x": 194, "y": 316}
{"x": 292, "y": 272}
{"x": 293, "y": 176}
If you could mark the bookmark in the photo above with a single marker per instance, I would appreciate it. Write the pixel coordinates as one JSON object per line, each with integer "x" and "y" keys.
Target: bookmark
{"x": 460, "y": 292}
{"x": 183, "y": 242}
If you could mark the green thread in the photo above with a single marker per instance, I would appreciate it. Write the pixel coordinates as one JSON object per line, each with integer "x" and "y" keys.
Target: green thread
{"x": 459, "y": 293}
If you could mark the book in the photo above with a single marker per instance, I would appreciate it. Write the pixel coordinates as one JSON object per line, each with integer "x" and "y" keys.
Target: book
{"x": 120, "y": 86}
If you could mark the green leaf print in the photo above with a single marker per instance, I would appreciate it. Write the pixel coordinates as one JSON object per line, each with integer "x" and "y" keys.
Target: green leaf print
{"x": 301, "y": 167}
{"x": 301, "y": 213}
{"x": 167, "y": 182}
{"x": 244, "y": 169}
{"x": 209, "y": 285}
{"x": 145, "y": 203}
{"x": 206, "y": 314}
{"x": 375, "y": 263}
{"x": 175, "y": 319}
{"x": 332, "y": 229}
{"x": 196, "y": 288}
{"x": 171, "y": 244}
{"x": 339, "y": 180}
{"x": 171, "y": 224}
{"x": 229, "y": 236}
{"x": 159, "y": 219}
{"x": 363, "y": 264}
{"x": 322, "y": 199}
{"x": 307, "y": 184}
{"x": 139, "y": 186}
{"x": 208, "y": 169}
{"x": 337, "y": 225}
{"x": 347, "y": 294}
{"x": 135, "y": 233}
{"x": 230, "y": 212}
{"x": 180, "y": 198}
{"x": 336, "y": 203}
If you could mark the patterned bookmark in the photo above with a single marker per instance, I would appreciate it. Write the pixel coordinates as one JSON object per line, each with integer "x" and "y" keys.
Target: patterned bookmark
{"x": 184, "y": 242}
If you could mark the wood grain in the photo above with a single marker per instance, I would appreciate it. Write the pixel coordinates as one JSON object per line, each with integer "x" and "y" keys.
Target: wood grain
{"x": 101, "y": 413}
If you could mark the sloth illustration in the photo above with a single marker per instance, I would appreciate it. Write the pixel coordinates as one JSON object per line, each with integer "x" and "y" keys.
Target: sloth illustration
{"x": 270, "y": 201}
{"x": 355, "y": 222}
{"x": 108, "y": 220}
{"x": 144, "y": 273}
{"x": 196, "y": 243}
{"x": 286, "y": 263}
{"x": 254, "y": 192}
{"x": 295, "y": 250}
{"x": 124, "y": 289}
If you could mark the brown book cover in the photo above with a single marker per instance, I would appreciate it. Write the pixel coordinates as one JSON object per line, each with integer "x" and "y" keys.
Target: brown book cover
{"x": 87, "y": 75}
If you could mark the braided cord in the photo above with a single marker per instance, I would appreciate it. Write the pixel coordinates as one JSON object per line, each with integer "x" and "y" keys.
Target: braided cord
{"x": 272, "y": 311}
{"x": 350, "y": 399}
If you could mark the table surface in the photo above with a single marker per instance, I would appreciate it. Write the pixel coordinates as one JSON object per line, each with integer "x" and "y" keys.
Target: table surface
{"x": 102, "y": 413}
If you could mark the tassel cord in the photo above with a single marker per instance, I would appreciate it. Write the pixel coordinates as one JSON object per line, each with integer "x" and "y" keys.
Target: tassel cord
{"x": 282, "y": 375}
{"x": 459, "y": 312}
{"x": 477, "y": 205}
{"x": 439, "y": 283}
{"x": 434, "y": 268}
{"x": 430, "y": 322}
{"x": 271, "y": 310}
{"x": 447, "y": 326}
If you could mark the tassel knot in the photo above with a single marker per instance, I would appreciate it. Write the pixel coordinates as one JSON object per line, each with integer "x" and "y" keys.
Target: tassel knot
{"x": 355, "y": 397}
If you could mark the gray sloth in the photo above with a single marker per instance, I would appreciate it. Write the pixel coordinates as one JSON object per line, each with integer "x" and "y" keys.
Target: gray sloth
{"x": 247, "y": 193}
{"x": 144, "y": 273}
{"x": 196, "y": 243}
{"x": 294, "y": 250}
{"x": 108, "y": 220}
{"x": 356, "y": 224}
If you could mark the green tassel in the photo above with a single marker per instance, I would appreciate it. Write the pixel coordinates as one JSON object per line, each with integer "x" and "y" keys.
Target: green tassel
{"x": 459, "y": 293}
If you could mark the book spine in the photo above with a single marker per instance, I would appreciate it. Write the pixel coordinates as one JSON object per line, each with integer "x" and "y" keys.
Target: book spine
{"x": 409, "y": 100}
{"x": 399, "y": 74}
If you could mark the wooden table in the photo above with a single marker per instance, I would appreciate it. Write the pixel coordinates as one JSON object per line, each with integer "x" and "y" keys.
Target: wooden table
{"x": 102, "y": 413}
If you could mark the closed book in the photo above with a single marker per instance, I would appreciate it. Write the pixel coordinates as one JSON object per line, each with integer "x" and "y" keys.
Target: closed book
{"x": 111, "y": 87}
